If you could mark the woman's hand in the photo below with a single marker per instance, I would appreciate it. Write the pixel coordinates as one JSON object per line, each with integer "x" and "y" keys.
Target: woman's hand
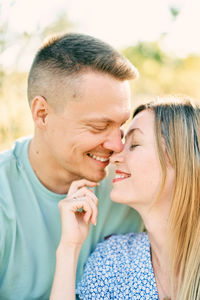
{"x": 77, "y": 210}
{"x": 75, "y": 227}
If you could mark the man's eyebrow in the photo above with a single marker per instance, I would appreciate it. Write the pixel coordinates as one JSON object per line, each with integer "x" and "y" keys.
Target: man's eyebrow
{"x": 132, "y": 131}
{"x": 96, "y": 119}
{"x": 103, "y": 120}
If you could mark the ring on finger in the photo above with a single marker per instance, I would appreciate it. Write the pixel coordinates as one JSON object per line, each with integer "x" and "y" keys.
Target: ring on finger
{"x": 79, "y": 198}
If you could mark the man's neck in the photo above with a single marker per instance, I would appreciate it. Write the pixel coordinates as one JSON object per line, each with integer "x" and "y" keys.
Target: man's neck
{"x": 48, "y": 172}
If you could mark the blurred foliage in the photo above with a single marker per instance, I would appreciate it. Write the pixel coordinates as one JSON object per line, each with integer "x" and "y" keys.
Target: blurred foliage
{"x": 58, "y": 26}
{"x": 162, "y": 74}
{"x": 15, "y": 113}
{"x": 174, "y": 10}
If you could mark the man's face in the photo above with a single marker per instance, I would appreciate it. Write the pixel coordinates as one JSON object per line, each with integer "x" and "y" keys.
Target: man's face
{"x": 81, "y": 139}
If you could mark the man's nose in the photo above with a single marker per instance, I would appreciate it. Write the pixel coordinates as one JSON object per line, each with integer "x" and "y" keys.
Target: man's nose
{"x": 114, "y": 141}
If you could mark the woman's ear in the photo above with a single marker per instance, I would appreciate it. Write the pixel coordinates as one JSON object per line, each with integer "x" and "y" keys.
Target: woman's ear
{"x": 40, "y": 110}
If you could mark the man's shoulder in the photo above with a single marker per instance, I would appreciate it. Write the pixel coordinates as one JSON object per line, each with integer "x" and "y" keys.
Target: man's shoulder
{"x": 10, "y": 170}
{"x": 5, "y": 156}
{"x": 11, "y": 155}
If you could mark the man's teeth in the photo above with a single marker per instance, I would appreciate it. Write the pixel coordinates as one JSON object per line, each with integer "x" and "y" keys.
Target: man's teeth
{"x": 99, "y": 158}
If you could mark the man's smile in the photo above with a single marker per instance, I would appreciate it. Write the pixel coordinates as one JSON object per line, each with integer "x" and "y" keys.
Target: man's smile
{"x": 99, "y": 158}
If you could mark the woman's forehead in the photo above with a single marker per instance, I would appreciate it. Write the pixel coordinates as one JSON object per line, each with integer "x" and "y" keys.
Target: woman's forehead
{"x": 141, "y": 123}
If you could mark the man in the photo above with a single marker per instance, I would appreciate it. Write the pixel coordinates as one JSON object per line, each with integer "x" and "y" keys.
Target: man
{"x": 79, "y": 96}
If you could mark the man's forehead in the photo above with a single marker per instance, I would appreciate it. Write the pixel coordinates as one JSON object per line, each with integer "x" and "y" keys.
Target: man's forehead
{"x": 106, "y": 101}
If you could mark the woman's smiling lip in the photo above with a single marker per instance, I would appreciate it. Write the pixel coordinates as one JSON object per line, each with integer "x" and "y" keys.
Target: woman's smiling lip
{"x": 120, "y": 175}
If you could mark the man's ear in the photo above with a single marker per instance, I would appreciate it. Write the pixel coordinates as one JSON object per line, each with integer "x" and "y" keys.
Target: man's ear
{"x": 40, "y": 110}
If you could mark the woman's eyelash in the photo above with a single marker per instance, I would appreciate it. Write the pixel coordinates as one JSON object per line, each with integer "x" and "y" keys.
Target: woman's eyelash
{"x": 133, "y": 146}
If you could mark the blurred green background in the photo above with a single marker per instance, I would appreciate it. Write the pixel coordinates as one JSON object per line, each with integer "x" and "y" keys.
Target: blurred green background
{"x": 163, "y": 69}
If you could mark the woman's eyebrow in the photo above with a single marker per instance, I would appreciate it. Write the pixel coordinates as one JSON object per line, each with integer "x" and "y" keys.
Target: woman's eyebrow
{"x": 132, "y": 131}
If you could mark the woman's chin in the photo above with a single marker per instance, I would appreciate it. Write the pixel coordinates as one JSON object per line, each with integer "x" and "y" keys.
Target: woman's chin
{"x": 115, "y": 197}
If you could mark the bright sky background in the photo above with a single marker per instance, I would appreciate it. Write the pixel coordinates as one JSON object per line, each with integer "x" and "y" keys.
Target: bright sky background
{"x": 119, "y": 22}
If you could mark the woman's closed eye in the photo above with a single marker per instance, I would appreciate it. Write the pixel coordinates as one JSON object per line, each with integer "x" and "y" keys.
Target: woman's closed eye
{"x": 133, "y": 146}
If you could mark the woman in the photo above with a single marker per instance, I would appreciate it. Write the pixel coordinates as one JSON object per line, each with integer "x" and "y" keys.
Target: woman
{"x": 158, "y": 174}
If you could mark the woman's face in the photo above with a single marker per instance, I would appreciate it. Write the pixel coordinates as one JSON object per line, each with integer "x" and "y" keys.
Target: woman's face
{"x": 138, "y": 170}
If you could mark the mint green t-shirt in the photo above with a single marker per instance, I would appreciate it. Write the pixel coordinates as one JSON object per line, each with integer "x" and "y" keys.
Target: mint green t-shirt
{"x": 30, "y": 227}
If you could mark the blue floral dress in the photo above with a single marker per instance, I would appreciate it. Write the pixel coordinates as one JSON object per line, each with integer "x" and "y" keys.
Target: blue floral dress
{"x": 120, "y": 268}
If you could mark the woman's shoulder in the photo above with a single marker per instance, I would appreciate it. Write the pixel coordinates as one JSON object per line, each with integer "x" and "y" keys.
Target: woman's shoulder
{"x": 116, "y": 250}
{"x": 129, "y": 238}
{"x": 119, "y": 252}
{"x": 130, "y": 242}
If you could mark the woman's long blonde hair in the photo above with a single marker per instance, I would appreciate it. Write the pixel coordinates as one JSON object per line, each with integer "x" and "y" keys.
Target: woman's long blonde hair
{"x": 177, "y": 120}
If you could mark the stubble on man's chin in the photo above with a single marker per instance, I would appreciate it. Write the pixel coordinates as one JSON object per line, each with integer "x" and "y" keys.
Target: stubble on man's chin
{"x": 98, "y": 179}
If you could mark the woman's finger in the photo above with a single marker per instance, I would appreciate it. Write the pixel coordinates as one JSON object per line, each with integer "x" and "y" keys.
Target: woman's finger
{"x": 90, "y": 214}
{"x": 84, "y": 192}
{"x": 93, "y": 217}
{"x": 76, "y": 185}
{"x": 75, "y": 204}
{"x": 82, "y": 204}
